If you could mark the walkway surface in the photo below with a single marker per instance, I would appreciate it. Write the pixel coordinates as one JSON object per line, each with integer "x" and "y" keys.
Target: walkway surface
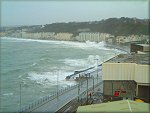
{"x": 61, "y": 99}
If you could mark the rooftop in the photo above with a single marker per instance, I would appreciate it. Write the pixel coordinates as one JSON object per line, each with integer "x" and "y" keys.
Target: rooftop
{"x": 116, "y": 106}
{"x": 145, "y": 45}
{"x": 131, "y": 58}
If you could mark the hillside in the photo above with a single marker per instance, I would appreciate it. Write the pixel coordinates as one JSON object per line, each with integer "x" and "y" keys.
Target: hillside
{"x": 114, "y": 26}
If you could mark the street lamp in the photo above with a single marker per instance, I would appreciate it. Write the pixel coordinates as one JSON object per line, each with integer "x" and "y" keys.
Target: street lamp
{"x": 97, "y": 68}
{"x": 93, "y": 83}
{"x": 20, "y": 97}
{"x": 87, "y": 91}
{"x": 78, "y": 91}
{"x": 57, "y": 84}
{"x": 57, "y": 88}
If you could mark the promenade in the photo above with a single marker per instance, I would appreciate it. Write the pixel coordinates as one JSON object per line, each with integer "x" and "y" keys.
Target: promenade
{"x": 62, "y": 97}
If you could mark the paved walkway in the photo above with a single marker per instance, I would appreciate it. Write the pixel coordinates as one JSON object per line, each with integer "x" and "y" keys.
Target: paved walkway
{"x": 60, "y": 100}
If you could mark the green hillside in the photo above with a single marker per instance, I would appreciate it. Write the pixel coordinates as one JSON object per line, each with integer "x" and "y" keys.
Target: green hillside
{"x": 114, "y": 26}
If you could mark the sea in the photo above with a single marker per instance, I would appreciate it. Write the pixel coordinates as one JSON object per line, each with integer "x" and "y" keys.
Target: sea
{"x": 31, "y": 69}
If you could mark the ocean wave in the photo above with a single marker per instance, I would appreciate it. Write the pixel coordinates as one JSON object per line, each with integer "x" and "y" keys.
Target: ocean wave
{"x": 10, "y": 71}
{"x": 84, "y": 63}
{"x": 7, "y": 94}
{"x": 85, "y": 45}
{"x": 30, "y": 40}
{"x": 33, "y": 64}
{"x": 12, "y": 39}
{"x": 81, "y": 45}
{"x": 74, "y": 62}
{"x": 88, "y": 45}
{"x": 49, "y": 78}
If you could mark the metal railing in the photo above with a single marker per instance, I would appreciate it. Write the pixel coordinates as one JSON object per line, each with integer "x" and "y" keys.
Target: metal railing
{"x": 48, "y": 98}
{"x": 45, "y": 99}
{"x": 76, "y": 101}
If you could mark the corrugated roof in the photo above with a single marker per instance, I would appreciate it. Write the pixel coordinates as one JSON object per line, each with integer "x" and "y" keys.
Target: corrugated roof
{"x": 116, "y": 106}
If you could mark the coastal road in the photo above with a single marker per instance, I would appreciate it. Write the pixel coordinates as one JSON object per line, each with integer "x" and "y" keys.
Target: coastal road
{"x": 58, "y": 102}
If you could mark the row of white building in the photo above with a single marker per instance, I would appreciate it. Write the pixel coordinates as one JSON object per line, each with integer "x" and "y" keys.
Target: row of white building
{"x": 93, "y": 36}
{"x": 131, "y": 38}
{"x": 98, "y": 37}
{"x": 82, "y": 36}
{"x": 44, "y": 35}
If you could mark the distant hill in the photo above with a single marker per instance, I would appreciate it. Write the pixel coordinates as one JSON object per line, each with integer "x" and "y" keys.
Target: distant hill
{"x": 114, "y": 26}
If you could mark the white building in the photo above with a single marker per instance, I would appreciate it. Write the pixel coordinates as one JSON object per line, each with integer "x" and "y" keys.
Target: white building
{"x": 38, "y": 35}
{"x": 93, "y": 36}
{"x": 131, "y": 38}
{"x": 63, "y": 36}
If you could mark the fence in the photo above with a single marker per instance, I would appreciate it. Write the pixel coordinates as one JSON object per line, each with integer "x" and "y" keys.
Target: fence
{"x": 45, "y": 99}
{"x": 81, "y": 99}
{"x": 48, "y": 98}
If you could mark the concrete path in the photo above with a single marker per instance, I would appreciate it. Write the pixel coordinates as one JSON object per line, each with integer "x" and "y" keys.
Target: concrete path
{"x": 60, "y": 100}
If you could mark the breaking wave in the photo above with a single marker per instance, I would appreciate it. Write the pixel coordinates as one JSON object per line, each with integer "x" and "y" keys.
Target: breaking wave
{"x": 50, "y": 78}
{"x": 82, "y": 45}
{"x": 7, "y": 94}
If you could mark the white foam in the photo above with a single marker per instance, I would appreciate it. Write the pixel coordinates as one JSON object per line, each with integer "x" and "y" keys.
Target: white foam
{"x": 50, "y": 78}
{"x": 83, "y": 63}
{"x": 86, "y": 45}
{"x": 81, "y": 45}
{"x": 74, "y": 62}
{"x": 30, "y": 40}
{"x": 8, "y": 94}
{"x": 12, "y": 39}
{"x": 34, "y": 64}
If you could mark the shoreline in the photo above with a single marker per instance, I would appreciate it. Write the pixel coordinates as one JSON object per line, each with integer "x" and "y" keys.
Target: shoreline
{"x": 124, "y": 48}
{"x": 107, "y": 45}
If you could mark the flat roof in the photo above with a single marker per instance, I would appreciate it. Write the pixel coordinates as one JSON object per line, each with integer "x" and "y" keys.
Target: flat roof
{"x": 146, "y": 45}
{"x": 131, "y": 58}
{"x": 116, "y": 106}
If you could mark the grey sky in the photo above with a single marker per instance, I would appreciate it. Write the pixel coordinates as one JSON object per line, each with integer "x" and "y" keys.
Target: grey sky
{"x": 46, "y": 12}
